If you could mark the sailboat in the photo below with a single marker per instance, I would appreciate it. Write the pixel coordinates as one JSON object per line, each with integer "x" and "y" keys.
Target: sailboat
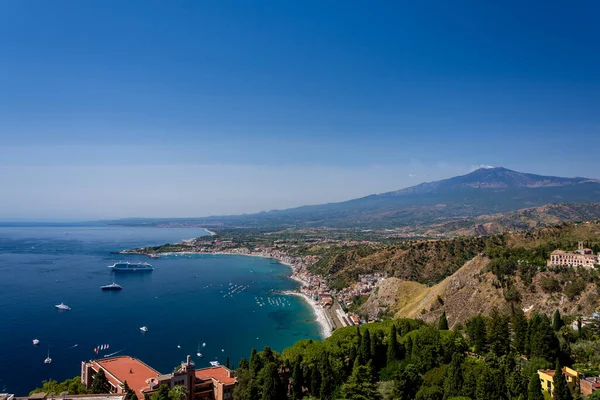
{"x": 48, "y": 360}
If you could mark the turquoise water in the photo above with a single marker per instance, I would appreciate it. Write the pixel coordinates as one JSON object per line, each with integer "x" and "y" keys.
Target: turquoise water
{"x": 183, "y": 303}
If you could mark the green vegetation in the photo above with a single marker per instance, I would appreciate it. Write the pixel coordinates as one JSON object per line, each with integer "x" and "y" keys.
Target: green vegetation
{"x": 71, "y": 386}
{"x": 496, "y": 357}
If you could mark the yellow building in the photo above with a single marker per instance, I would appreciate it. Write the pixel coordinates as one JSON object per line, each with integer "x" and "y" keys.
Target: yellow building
{"x": 547, "y": 377}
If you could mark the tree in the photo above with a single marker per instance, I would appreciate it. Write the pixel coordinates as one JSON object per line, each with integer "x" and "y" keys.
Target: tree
{"x": 297, "y": 379}
{"x": 161, "y": 394}
{"x": 443, "y": 322}
{"x": 131, "y": 395}
{"x": 227, "y": 362}
{"x": 454, "y": 376}
{"x": 498, "y": 336}
{"x": 364, "y": 350}
{"x": 534, "y": 389}
{"x": 179, "y": 392}
{"x": 360, "y": 384}
{"x": 408, "y": 382}
{"x": 255, "y": 363}
{"x": 100, "y": 383}
{"x": 477, "y": 333}
{"x": 561, "y": 390}
{"x": 272, "y": 385}
{"x": 243, "y": 364}
{"x": 557, "y": 321}
{"x": 519, "y": 327}
{"x": 392, "y": 348}
{"x": 541, "y": 340}
{"x": 315, "y": 382}
{"x": 489, "y": 385}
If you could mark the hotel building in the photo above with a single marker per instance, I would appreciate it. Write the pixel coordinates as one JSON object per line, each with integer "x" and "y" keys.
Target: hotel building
{"x": 583, "y": 257}
{"x": 214, "y": 383}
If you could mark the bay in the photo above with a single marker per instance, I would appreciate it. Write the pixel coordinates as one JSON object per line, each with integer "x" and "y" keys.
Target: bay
{"x": 221, "y": 300}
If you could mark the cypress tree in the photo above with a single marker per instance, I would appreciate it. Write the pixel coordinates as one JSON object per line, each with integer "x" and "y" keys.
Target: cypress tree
{"x": 100, "y": 383}
{"x": 561, "y": 390}
{"x": 272, "y": 386}
{"x": 360, "y": 384}
{"x": 297, "y": 379}
{"x": 255, "y": 363}
{"x": 392, "y": 349}
{"x": 364, "y": 351}
{"x": 315, "y": 381}
{"x": 268, "y": 354}
{"x": 352, "y": 354}
{"x": 519, "y": 327}
{"x": 534, "y": 389}
{"x": 443, "y": 322}
{"x": 227, "y": 362}
{"x": 244, "y": 364}
{"x": 557, "y": 321}
{"x": 477, "y": 333}
{"x": 327, "y": 377}
{"x": 454, "y": 376}
{"x": 498, "y": 333}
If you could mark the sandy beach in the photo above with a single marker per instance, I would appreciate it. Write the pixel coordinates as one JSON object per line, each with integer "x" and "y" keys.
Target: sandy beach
{"x": 322, "y": 320}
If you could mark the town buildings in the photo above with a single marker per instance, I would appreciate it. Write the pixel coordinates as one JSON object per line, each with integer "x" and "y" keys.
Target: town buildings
{"x": 214, "y": 383}
{"x": 583, "y": 257}
{"x": 547, "y": 378}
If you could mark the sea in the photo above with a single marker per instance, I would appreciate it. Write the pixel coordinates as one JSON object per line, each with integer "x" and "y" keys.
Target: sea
{"x": 217, "y": 305}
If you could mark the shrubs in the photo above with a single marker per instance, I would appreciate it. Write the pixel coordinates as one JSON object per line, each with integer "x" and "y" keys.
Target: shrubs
{"x": 550, "y": 284}
{"x": 574, "y": 288}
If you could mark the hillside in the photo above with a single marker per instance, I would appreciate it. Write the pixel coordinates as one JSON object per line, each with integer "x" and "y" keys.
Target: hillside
{"x": 528, "y": 218}
{"x": 481, "y": 192}
{"x": 507, "y": 273}
{"x": 430, "y": 261}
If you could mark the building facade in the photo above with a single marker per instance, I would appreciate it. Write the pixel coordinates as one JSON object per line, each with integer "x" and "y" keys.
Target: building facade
{"x": 583, "y": 257}
{"x": 214, "y": 383}
{"x": 547, "y": 379}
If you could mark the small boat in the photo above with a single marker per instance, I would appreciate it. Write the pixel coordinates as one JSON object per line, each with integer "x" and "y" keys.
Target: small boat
{"x": 203, "y": 344}
{"x": 36, "y": 342}
{"x": 62, "y": 306}
{"x": 178, "y": 346}
{"x": 112, "y": 286}
{"x": 198, "y": 353}
{"x": 48, "y": 360}
{"x": 214, "y": 363}
{"x": 144, "y": 329}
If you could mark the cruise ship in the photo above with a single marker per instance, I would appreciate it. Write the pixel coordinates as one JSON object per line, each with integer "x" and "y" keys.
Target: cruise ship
{"x": 131, "y": 267}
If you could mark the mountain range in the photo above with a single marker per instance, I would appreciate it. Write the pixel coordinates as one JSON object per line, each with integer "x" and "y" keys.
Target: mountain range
{"x": 482, "y": 192}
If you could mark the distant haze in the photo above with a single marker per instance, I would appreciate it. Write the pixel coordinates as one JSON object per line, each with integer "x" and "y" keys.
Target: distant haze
{"x": 115, "y": 109}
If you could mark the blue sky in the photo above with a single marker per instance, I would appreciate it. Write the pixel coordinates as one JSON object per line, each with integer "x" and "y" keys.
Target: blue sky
{"x": 188, "y": 108}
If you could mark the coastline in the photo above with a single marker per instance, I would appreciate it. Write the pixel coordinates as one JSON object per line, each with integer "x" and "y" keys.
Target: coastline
{"x": 319, "y": 311}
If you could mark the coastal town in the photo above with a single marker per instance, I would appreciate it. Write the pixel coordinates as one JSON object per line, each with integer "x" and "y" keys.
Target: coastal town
{"x": 331, "y": 307}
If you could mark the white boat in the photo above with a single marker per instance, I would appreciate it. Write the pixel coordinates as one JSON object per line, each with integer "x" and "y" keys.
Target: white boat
{"x": 144, "y": 329}
{"x": 36, "y": 342}
{"x": 214, "y": 363}
{"x": 112, "y": 286}
{"x": 203, "y": 344}
{"x": 62, "y": 306}
{"x": 48, "y": 360}
{"x": 126, "y": 266}
{"x": 198, "y": 353}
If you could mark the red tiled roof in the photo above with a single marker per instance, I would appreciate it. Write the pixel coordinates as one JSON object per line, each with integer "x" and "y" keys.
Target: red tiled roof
{"x": 129, "y": 369}
{"x": 218, "y": 373}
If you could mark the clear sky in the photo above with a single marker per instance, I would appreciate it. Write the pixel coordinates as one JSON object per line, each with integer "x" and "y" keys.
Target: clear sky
{"x": 193, "y": 108}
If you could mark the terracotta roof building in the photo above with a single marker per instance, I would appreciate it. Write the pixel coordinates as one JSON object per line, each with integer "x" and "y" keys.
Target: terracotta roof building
{"x": 583, "y": 257}
{"x": 214, "y": 383}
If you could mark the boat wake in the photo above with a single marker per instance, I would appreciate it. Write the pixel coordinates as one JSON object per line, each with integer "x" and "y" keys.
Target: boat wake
{"x": 116, "y": 352}
{"x": 75, "y": 345}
